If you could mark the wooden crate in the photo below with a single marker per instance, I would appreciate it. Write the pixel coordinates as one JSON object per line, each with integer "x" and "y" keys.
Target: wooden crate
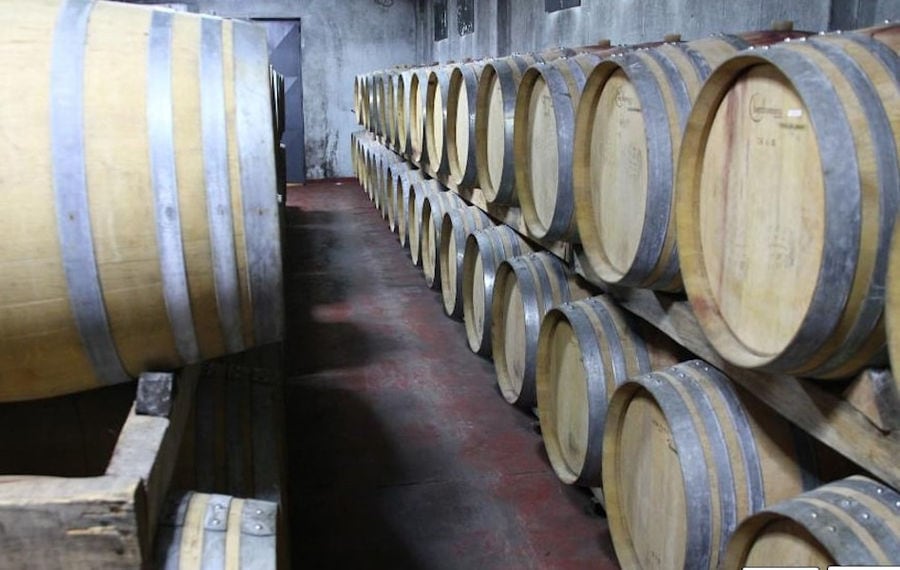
{"x": 90, "y": 485}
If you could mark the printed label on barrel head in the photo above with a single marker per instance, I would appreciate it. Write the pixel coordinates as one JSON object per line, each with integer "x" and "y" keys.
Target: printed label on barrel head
{"x": 627, "y": 102}
{"x": 664, "y": 430}
{"x": 762, "y": 109}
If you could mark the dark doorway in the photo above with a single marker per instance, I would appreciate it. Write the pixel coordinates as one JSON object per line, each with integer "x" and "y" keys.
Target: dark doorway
{"x": 285, "y": 55}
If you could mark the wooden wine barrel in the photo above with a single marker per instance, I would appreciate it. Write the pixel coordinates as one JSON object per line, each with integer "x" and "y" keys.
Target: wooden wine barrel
{"x": 485, "y": 250}
{"x": 852, "y": 522}
{"x": 374, "y": 171}
{"x": 390, "y": 109}
{"x": 374, "y": 120}
{"x": 361, "y": 100}
{"x": 383, "y": 107}
{"x": 892, "y": 306}
{"x": 400, "y": 120}
{"x": 402, "y": 112}
{"x": 383, "y": 103}
{"x": 433, "y": 209}
{"x": 495, "y": 110}
{"x": 354, "y": 153}
{"x": 369, "y": 102}
{"x": 585, "y": 350}
{"x": 374, "y": 177}
{"x": 377, "y": 102}
{"x": 363, "y": 103}
{"x": 786, "y": 205}
{"x": 364, "y": 150}
{"x": 627, "y": 138}
{"x": 378, "y": 178}
{"x": 418, "y": 193}
{"x": 386, "y": 161}
{"x": 361, "y": 109}
{"x": 361, "y": 148}
{"x": 389, "y": 198}
{"x": 218, "y": 531}
{"x": 525, "y": 289}
{"x": 461, "y": 100}
{"x": 404, "y": 193}
{"x": 686, "y": 457}
{"x": 395, "y": 172}
{"x": 436, "y": 118}
{"x": 362, "y": 161}
{"x": 545, "y": 123}
{"x": 370, "y": 173}
{"x": 357, "y": 98}
{"x": 141, "y": 227}
{"x": 418, "y": 89}
{"x": 456, "y": 228}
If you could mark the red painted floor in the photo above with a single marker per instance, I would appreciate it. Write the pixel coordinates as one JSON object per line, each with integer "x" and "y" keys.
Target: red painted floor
{"x": 402, "y": 453}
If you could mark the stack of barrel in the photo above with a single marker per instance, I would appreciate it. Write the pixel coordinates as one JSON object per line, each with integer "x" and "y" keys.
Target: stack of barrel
{"x": 139, "y": 211}
{"x": 758, "y": 174}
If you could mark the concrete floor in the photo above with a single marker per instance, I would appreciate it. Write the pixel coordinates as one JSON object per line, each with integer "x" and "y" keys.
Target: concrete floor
{"x": 402, "y": 454}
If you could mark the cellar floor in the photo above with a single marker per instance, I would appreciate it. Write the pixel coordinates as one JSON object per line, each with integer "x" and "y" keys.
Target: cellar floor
{"x": 401, "y": 452}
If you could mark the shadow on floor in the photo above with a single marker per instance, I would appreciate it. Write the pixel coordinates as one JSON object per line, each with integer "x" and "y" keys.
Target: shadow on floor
{"x": 401, "y": 453}
{"x": 320, "y": 272}
{"x": 340, "y": 449}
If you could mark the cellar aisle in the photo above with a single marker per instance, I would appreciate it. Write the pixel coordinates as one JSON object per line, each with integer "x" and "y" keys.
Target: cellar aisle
{"x": 401, "y": 452}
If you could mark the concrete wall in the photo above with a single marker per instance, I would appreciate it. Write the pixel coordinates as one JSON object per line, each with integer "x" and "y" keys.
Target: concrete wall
{"x": 340, "y": 39}
{"x": 524, "y": 26}
{"x": 850, "y": 14}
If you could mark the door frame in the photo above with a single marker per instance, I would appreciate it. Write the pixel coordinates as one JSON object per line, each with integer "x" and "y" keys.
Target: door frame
{"x": 301, "y": 157}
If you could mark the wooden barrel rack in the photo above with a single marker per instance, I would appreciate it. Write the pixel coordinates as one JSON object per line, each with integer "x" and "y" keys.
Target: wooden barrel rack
{"x": 857, "y": 416}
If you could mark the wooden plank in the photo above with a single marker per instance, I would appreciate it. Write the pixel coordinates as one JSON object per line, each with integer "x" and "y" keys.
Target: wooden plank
{"x": 51, "y": 522}
{"x": 874, "y": 393}
{"x": 236, "y": 445}
{"x": 148, "y": 448}
{"x": 826, "y": 416}
{"x": 269, "y": 464}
